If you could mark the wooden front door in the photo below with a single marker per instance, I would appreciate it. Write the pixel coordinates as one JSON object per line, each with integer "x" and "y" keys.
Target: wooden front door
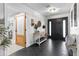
{"x": 21, "y": 29}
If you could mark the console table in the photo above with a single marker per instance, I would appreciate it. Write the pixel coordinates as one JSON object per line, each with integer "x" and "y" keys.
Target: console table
{"x": 39, "y": 37}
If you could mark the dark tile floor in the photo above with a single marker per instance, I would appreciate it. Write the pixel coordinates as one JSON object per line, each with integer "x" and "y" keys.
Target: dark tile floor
{"x": 48, "y": 48}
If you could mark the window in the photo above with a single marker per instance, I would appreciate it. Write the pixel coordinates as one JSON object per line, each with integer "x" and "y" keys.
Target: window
{"x": 64, "y": 28}
{"x": 50, "y": 28}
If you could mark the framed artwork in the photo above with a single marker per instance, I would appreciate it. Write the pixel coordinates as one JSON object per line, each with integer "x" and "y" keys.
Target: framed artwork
{"x": 72, "y": 18}
{"x": 10, "y": 34}
{"x": 75, "y": 14}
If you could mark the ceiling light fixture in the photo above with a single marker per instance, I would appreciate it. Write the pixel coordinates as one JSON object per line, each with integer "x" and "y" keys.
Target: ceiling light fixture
{"x": 53, "y": 9}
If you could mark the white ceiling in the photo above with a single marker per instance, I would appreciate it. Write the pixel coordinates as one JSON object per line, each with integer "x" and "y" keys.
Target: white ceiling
{"x": 42, "y": 7}
{"x": 1, "y": 11}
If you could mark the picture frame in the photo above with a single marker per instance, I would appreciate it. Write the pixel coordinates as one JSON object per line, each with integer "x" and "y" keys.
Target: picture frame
{"x": 75, "y": 14}
{"x": 72, "y": 18}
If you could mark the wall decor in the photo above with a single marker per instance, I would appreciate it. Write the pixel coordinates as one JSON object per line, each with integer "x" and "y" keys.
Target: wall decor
{"x": 32, "y": 22}
{"x": 72, "y": 18}
{"x": 39, "y": 23}
{"x": 43, "y": 26}
{"x": 75, "y": 14}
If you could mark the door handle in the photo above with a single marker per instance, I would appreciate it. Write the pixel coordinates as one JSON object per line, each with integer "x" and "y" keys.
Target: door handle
{"x": 25, "y": 29}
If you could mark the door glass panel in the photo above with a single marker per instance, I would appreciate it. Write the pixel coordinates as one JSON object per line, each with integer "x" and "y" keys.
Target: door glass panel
{"x": 50, "y": 28}
{"x": 64, "y": 28}
{"x": 20, "y": 25}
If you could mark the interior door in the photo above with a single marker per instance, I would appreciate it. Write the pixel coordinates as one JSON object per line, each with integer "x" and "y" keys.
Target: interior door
{"x": 21, "y": 30}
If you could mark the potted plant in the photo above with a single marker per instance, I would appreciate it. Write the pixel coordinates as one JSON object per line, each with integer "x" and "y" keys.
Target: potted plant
{"x": 5, "y": 41}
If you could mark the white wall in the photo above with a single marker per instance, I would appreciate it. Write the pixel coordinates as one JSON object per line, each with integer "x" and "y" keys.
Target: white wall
{"x": 12, "y": 10}
{"x": 59, "y": 15}
{"x": 1, "y": 25}
{"x": 1, "y": 11}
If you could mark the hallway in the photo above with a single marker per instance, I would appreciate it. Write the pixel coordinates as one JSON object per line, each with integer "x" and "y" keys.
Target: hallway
{"x": 48, "y": 48}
